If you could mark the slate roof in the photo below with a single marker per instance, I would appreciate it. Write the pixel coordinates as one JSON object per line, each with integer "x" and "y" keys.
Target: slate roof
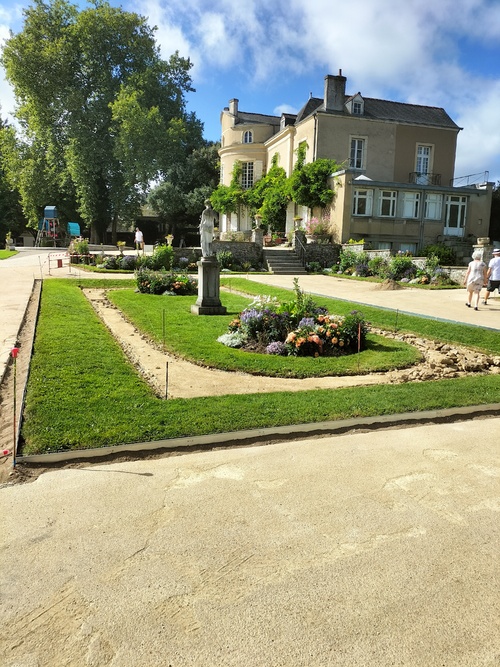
{"x": 401, "y": 112}
{"x": 256, "y": 118}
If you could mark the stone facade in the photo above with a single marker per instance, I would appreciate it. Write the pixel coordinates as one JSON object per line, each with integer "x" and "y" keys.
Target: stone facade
{"x": 397, "y": 189}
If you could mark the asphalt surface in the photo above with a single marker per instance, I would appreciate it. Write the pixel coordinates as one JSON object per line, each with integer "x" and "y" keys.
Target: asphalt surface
{"x": 371, "y": 548}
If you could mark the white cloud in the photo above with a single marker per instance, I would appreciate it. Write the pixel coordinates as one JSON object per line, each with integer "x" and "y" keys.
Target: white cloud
{"x": 421, "y": 51}
{"x": 284, "y": 108}
{"x": 479, "y": 146}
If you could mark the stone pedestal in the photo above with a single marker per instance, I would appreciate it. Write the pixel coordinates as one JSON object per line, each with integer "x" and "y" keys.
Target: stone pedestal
{"x": 258, "y": 236}
{"x": 208, "y": 302}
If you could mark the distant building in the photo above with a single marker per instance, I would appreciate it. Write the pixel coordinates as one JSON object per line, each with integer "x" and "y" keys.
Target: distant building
{"x": 396, "y": 188}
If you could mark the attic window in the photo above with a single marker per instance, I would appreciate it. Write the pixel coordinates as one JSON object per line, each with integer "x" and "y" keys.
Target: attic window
{"x": 248, "y": 137}
{"x": 357, "y": 108}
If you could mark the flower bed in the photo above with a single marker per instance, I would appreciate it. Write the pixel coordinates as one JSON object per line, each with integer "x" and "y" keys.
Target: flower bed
{"x": 297, "y": 328}
{"x": 163, "y": 282}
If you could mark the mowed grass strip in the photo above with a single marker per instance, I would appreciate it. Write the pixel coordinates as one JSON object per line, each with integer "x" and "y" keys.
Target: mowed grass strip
{"x": 5, "y": 254}
{"x": 82, "y": 392}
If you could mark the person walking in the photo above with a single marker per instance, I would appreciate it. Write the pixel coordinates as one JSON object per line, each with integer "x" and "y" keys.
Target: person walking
{"x": 139, "y": 240}
{"x": 475, "y": 278}
{"x": 493, "y": 275}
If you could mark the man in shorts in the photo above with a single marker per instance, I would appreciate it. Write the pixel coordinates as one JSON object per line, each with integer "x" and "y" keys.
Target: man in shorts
{"x": 493, "y": 275}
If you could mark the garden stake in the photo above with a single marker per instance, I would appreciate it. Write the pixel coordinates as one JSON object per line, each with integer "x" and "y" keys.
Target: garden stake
{"x": 359, "y": 341}
{"x": 14, "y": 352}
{"x": 166, "y": 380}
{"x": 396, "y": 323}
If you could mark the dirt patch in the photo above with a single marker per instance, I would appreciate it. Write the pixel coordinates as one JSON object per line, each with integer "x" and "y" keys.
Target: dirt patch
{"x": 389, "y": 285}
{"x": 188, "y": 380}
{"x": 25, "y": 344}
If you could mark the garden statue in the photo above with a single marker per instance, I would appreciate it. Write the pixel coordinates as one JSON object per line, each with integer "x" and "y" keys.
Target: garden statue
{"x": 207, "y": 224}
{"x": 208, "y": 302}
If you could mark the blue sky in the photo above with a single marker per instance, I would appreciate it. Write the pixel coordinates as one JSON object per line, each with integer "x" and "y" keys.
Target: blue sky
{"x": 272, "y": 55}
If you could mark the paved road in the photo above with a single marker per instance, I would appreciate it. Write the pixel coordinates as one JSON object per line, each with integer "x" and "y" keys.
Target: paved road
{"x": 374, "y": 549}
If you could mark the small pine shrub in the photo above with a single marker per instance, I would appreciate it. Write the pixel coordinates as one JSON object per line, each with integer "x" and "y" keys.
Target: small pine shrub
{"x": 446, "y": 256}
{"x": 225, "y": 259}
{"x": 401, "y": 267}
{"x": 162, "y": 258}
{"x": 127, "y": 262}
{"x": 347, "y": 261}
{"x": 378, "y": 266}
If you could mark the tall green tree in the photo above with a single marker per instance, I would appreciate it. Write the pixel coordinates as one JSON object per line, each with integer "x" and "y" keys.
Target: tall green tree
{"x": 11, "y": 214}
{"x": 101, "y": 114}
{"x": 179, "y": 199}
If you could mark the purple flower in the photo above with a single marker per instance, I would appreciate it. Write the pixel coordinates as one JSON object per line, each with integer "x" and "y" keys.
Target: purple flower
{"x": 276, "y": 348}
{"x": 251, "y": 314}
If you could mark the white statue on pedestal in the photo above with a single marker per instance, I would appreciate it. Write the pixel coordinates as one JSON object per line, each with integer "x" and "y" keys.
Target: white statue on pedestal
{"x": 207, "y": 224}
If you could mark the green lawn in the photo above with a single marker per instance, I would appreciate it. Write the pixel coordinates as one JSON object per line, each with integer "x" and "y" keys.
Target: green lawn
{"x": 5, "y": 254}
{"x": 82, "y": 393}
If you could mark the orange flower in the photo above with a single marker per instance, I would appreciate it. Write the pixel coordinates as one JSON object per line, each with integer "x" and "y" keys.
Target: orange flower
{"x": 335, "y": 341}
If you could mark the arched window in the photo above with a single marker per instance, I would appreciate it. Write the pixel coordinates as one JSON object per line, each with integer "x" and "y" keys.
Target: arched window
{"x": 248, "y": 137}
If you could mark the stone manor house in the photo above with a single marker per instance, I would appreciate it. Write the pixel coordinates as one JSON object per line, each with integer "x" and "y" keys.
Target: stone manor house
{"x": 396, "y": 189}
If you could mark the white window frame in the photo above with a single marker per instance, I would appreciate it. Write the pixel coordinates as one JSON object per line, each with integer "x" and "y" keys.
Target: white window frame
{"x": 357, "y": 153}
{"x": 408, "y": 247}
{"x": 248, "y": 137}
{"x": 423, "y": 162}
{"x": 411, "y": 204}
{"x": 247, "y": 175}
{"x": 433, "y": 209}
{"x": 455, "y": 205}
{"x": 390, "y": 198}
{"x": 362, "y": 199}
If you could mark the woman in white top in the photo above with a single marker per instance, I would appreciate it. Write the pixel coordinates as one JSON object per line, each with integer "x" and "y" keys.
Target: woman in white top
{"x": 475, "y": 278}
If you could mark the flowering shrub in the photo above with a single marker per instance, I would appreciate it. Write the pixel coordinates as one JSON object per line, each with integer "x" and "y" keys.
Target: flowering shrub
{"x": 162, "y": 282}
{"x": 327, "y": 335}
{"x": 296, "y": 328}
{"x": 162, "y": 258}
{"x": 317, "y": 227}
{"x": 79, "y": 246}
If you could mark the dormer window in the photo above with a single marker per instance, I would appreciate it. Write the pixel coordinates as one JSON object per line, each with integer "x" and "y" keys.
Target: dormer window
{"x": 355, "y": 105}
{"x": 248, "y": 137}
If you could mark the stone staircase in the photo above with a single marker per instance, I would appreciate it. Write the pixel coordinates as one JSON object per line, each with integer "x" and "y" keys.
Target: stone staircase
{"x": 283, "y": 261}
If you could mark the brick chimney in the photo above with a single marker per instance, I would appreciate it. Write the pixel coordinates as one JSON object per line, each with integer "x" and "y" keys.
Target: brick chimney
{"x": 334, "y": 92}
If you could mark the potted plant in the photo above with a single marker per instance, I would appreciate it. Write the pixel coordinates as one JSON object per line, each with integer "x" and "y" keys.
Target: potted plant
{"x": 318, "y": 230}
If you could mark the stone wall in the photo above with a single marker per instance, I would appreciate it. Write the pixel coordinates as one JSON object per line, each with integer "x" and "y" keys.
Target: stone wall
{"x": 242, "y": 252}
{"x": 326, "y": 254}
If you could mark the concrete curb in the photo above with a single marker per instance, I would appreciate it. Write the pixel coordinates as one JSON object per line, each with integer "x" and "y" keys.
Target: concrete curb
{"x": 254, "y": 436}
